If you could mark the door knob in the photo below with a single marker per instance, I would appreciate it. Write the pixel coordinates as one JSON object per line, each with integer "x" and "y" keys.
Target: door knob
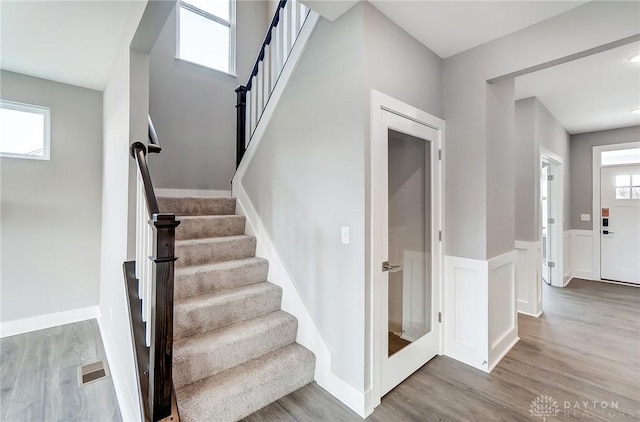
{"x": 387, "y": 267}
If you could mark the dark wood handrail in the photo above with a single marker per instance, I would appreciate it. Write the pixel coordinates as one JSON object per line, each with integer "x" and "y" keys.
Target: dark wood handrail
{"x": 266, "y": 42}
{"x": 138, "y": 151}
{"x": 157, "y": 382}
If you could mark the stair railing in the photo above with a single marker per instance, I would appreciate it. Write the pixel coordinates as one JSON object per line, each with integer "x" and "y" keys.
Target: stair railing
{"x": 152, "y": 315}
{"x": 252, "y": 98}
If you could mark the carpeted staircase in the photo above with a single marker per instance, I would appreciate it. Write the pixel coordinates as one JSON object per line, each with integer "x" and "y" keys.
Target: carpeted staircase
{"x": 234, "y": 350}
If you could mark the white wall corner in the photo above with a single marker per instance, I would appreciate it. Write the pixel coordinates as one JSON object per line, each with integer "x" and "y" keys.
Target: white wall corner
{"x": 466, "y": 311}
{"x": 308, "y": 334}
{"x": 582, "y": 258}
{"x": 201, "y": 193}
{"x": 528, "y": 278}
{"x": 129, "y": 401}
{"x": 41, "y": 322}
{"x": 502, "y": 307}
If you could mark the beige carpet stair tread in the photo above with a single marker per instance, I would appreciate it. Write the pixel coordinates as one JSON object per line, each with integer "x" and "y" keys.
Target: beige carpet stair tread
{"x": 197, "y": 205}
{"x": 206, "y": 354}
{"x": 214, "y": 249}
{"x": 195, "y": 227}
{"x": 201, "y": 279}
{"x": 243, "y": 389}
{"x": 208, "y": 312}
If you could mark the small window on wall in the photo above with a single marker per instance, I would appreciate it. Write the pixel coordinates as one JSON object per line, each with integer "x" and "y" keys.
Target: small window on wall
{"x": 628, "y": 186}
{"x": 206, "y": 33}
{"x": 620, "y": 156}
{"x": 24, "y": 131}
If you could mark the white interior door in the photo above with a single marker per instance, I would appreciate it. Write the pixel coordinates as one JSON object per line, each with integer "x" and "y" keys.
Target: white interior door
{"x": 409, "y": 269}
{"x": 620, "y": 223}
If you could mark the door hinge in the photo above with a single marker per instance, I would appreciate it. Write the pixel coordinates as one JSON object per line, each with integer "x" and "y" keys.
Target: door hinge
{"x": 551, "y": 264}
{"x": 550, "y": 177}
{"x": 440, "y": 235}
{"x": 439, "y": 154}
{"x": 551, "y": 220}
{"x": 439, "y": 316}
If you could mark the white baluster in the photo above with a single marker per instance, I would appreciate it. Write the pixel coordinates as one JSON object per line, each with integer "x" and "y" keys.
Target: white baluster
{"x": 303, "y": 14}
{"x": 288, "y": 42}
{"x": 297, "y": 20}
{"x": 275, "y": 55}
{"x": 260, "y": 91}
{"x": 266, "y": 77}
{"x": 247, "y": 120}
{"x": 148, "y": 298}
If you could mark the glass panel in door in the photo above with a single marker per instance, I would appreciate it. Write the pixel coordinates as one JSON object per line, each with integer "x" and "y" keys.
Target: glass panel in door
{"x": 410, "y": 240}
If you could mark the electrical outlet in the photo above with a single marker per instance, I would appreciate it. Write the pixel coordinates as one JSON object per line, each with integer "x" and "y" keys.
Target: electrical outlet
{"x": 585, "y": 217}
{"x": 345, "y": 235}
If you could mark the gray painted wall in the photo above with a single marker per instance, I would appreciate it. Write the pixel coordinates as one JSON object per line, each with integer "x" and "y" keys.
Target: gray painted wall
{"x": 306, "y": 180}
{"x": 193, "y": 107}
{"x": 51, "y": 210}
{"x": 535, "y": 127}
{"x": 465, "y": 110}
{"x": 582, "y": 170}
{"x": 309, "y": 175}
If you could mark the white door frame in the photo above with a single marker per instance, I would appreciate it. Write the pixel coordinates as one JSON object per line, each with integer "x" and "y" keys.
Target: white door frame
{"x": 595, "y": 212}
{"x": 381, "y": 103}
{"x": 557, "y": 205}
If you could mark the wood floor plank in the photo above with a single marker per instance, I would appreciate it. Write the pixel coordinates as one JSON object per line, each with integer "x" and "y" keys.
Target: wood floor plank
{"x": 39, "y": 376}
{"x": 584, "y": 351}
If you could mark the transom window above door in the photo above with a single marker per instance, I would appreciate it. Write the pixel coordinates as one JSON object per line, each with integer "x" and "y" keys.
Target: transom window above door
{"x": 206, "y": 33}
{"x": 628, "y": 186}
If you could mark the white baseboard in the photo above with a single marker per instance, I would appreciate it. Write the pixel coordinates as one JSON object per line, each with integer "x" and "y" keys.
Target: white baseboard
{"x": 40, "y": 322}
{"x": 308, "y": 334}
{"x": 201, "y": 193}
{"x": 513, "y": 339}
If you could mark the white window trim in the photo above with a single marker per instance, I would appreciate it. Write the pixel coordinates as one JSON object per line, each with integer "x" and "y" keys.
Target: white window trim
{"x": 46, "y": 142}
{"x": 231, "y": 24}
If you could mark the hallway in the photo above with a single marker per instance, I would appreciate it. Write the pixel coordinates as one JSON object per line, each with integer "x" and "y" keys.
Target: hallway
{"x": 583, "y": 352}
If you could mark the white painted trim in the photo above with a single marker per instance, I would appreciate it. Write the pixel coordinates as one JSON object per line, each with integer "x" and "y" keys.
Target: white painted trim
{"x": 503, "y": 341}
{"x": 40, "y": 322}
{"x": 567, "y": 261}
{"x": 595, "y": 207}
{"x": 308, "y": 334}
{"x": 185, "y": 193}
{"x": 128, "y": 401}
{"x": 582, "y": 254}
{"x": 380, "y": 103}
{"x": 528, "y": 278}
{"x": 274, "y": 99}
{"x": 557, "y": 203}
{"x": 465, "y": 315}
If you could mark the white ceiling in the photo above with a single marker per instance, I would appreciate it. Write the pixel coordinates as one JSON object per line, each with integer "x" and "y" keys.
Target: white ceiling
{"x": 450, "y": 27}
{"x": 73, "y": 42}
{"x": 597, "y": 92}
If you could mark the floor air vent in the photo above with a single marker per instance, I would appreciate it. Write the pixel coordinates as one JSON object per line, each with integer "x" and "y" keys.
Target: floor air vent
{"x": 92, "y": 372}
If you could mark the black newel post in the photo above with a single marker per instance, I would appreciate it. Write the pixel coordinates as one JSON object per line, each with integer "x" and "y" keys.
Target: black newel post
{"x": 241, "y": 119}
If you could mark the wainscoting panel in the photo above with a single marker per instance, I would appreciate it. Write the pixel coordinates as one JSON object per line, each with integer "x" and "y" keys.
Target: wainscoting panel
{"x": 567, "y": 262}
{"x": 503, "y": 316}
{"x": 466, "y": 311}
{"x": 582, "y": 254}
{"x": 528, "y": 288}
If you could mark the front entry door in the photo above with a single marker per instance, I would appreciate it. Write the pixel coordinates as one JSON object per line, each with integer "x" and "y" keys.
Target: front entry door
{"x": 409, "y": 270}
{"x": 620, "y": 223}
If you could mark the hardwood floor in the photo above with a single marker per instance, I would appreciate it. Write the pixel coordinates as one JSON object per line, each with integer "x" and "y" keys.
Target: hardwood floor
{"x": 39, "y": 376}
{"x": 584, "y": 352}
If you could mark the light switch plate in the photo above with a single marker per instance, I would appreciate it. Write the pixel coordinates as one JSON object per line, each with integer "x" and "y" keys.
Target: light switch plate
{"x": 345, "y": 235}
{"x": 585, "y": 217}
